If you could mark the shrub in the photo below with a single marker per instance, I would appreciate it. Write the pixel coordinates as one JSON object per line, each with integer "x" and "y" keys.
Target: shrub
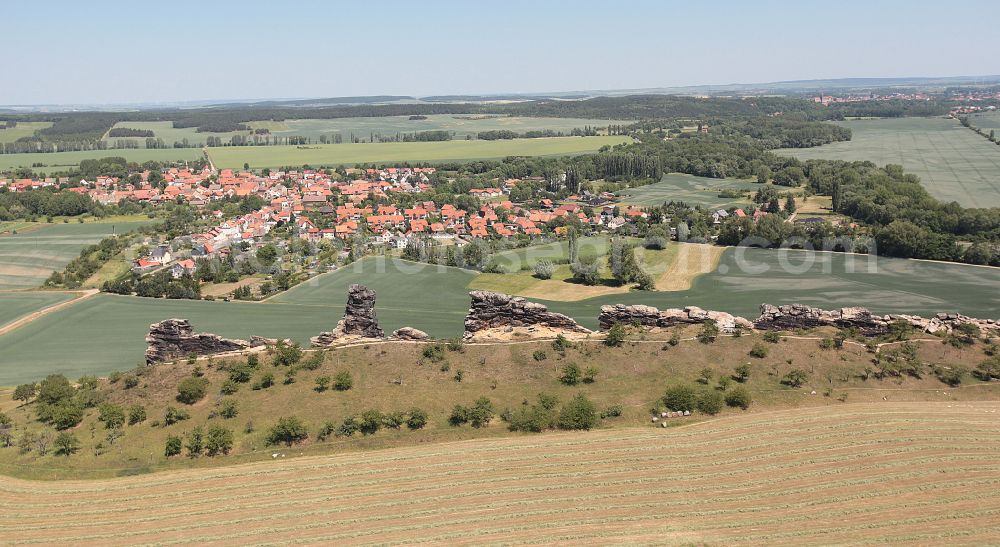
{"x": 343, "y": 381}
{"x": 322, "y": 384}
{"x": 112, "y": 415}
{"x": 25, "y": 392}
{"x": 590, "y": 375}
{"x": 705, "y": 377}
{"x": 795, "y": 378}
{"x": 433, "y": 353}
{"x": 66, "y": 443}
{"x": 131, "y": 381}
{"x": 710, "y": 402}
{"x": 229, "y": 387}
{"x": 393, "y": 420}
{"x": 742, "y": 373}
{"x": 459, "y": 375}
{"x": 578, "y": 413}
{"x": 612, "y": 411}
{"x": 370, "y": 422}
{"x": 174, "y": 415}
{"x": 758, "y": 350}
{"x": 544, "y": 269}
{"x": 240, "y": 373}
{"x": 218, "y": 440}
{"x": 952, "y": 375}
{"x": 586, "y": 270}
{"x": 265, "y": 381}
{"x": 772, "y": 336}
{"x": 136, "y": 414}
{"x": 288, "y": 430}
{"x": 709, "y": 332}
{"x": 616, "y": 336}
{"x": 348, "y": 427}
{"x": 228, "y": 408}
{"x": 481, "y": 413}
{"x": 680, "y": 397}
{"x": 195, "y": 441}
{"x": 988, "y": 370}
{"x": 538, "y": 355}
{"x": 535, "y": 418}
{"x": 326, "y": 430}
{"x": 724, "y": 382}
{"x": 570, "y": 374}
{"x": 738, "y": 397}
{"x": 416, "y": 419}
{"x": 455, "y": 344}
{"x": 561, "y": 344}
{"x": 313, "y": 361}
{"x": 459, "y": 415}
{"x": 826, "y": 343}
{"x": 287, "y": 354}
{"x": 173, "y": 446}
{"x": 191, "y": 390}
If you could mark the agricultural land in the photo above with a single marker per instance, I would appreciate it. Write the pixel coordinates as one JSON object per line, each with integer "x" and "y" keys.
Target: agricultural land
{"x": 953, "y": 163}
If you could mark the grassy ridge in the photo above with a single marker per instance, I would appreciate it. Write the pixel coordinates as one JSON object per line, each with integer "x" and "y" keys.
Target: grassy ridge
{"x": 885, "y": 473}
{"x": 66, "y": 161}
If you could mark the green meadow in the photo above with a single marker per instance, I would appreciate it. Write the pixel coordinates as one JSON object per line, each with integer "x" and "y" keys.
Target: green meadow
{"x": 460, "y": 124}
{"x": 690, "y": 189}
{"x": 398, "y": 152}
{"x": 106, "y": 332}
{"x": 953, "y": 163}
{"x": 15, "y": 305}
{"x": 30, "y": 256}
{"x": 65, "y": 161}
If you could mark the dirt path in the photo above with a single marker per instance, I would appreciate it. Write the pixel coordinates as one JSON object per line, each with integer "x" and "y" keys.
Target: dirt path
{"x": 45, "y": 311}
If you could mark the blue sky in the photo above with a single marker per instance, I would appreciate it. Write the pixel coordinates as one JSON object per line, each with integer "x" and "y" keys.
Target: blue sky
{"x": 121, "y": 52}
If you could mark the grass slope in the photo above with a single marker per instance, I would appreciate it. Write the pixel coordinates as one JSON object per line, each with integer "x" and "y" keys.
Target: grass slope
{"x": 29, "y": 257}
{"x": 396, "y": 152}
{"x": 23, "y": 129}
{"x": 888, "y": 474}
{"x": 169, "y": 134}
{"x": 953, "y": 163}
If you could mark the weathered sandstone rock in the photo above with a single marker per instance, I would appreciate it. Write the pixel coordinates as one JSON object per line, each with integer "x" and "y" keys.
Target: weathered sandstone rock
{"x": 409, "y": 333}
{"x": 175, "y": 338}
{"x": 648, "y": 316}
{"x": 359, "y": 318}
{"x": 491, "y": 310}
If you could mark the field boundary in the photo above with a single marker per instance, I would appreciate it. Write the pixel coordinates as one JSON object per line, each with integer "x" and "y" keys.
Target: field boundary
{"x": 17, "y": 323}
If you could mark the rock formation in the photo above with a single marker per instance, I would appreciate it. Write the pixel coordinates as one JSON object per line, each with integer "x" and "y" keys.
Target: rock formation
{"x": 173, "y": 339}
{"x": 491, "y": 310}
{"x": 409, "y": 333}
{"x": 648, "y": 316}
{"x": 798, "y": 316}
{"x": 795, "y": 316}
{"x": 359, "y": 318}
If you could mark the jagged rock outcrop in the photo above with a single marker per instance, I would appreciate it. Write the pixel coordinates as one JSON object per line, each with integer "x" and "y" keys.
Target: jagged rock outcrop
{"x": 409, "y": 334}
{"x": 359, "y": 318}
{"x": 492, "y": 310}
{"x": 798, "y": 316}
{"x": 648, "y": 316}
{"x": 175, "y": 338}
{"x": 795, "y": 316}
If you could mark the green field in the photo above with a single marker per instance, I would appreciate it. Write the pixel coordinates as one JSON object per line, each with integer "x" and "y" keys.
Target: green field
{"x": 64, "y": 161}
{"x": 435, "y": 300}
{"x": 28, "y": 258}
{"x": 953, "y": 163}
{"x": 23, "y": 129}
{"x": 397, "y": 152}
{"x": 690, "y": 189}
{"x": 15, "y": 305}
{"x": 460, "y": 124}
{"x": 169, "y": 134}
{"x": 986, "y": 121}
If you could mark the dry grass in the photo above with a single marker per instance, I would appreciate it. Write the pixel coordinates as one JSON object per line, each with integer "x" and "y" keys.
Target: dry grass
{"x": 692, "y": 260}
{"x": 888, "y": 473}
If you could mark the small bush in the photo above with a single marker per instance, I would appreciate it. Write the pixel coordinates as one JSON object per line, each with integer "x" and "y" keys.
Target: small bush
{"x": 680, "y": 398}
{"x": 130, "y": 381}
{"x": 287, "y": 354}
{"x": 229, "y": 387}
{"x": 173, "y": 446}
{"x": 544, "y": 269}
{"x": 173, "y": 415}
{"x": 538, "y": 355}
{"x": 136, "y": 414}
{"x": 228, "y": 408}
{"x": 795, "y": 378}
{"x": 570, "y": 374}
{"x": 288, "y": 431}
{"x": 578, "y": 413}
{"x": 612, "y": 411}
{"x": 433, "y": 353}
{"x": 616, "y": 336}
{"x": 709, "y": 332}
{"x": 218, "y": 440}
{"x": 322, "y": 384}
{"x": 265, "y": 381}
{"x": 772, "y": 336}
{"x": 590, "y": 375}
{"x": 710, "y": 402}
{"x": 738, "y": 397}
{"x": 191, "y": 390}
{"x": 742, "y": 373}
{"x": 416, "y": 419}
{"x": 758, "y": 350}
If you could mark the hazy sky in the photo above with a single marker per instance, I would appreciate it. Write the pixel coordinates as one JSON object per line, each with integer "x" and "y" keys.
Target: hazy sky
{"x": 98, "y": 51}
